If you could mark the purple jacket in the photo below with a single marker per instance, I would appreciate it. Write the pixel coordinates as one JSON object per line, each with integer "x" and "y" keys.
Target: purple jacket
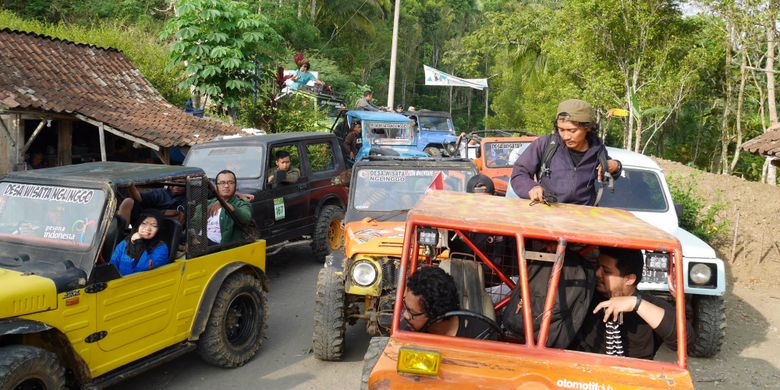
{"x": 569, "y": 183}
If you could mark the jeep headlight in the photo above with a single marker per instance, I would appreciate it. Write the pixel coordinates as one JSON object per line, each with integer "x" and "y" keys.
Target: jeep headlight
{"x": 364, "y": 273}
{"x": 700, "y": 273}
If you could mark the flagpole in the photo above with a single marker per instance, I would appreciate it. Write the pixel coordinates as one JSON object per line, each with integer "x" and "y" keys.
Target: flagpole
{"x": 393, "y": 55}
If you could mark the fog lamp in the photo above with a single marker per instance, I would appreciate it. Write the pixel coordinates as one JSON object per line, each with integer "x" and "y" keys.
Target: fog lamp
{"x": 427, "y": 236}
{"x": 418, "y": 361}
{"x": 657, "y": 261}
{"x": 700, "y": 273}
{"x": 364, "y": 274}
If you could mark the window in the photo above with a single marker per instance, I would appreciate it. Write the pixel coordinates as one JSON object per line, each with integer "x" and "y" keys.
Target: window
{"x": 320, "y": 157}
{"x": 276, "y": 160}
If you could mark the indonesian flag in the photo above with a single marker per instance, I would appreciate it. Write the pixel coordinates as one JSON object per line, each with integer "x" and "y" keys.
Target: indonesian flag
{"x": 437, "y": 183}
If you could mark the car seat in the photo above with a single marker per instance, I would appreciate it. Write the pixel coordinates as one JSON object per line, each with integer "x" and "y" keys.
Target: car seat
{"x": 170, "y": 234}
{"x": 114, "y": 236}
{"x": 470, "y": 280}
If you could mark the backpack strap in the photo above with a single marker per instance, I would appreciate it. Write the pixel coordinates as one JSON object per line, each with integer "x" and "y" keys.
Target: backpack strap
{"x": 549, "y": 151}
{"x": 605, "y": 175}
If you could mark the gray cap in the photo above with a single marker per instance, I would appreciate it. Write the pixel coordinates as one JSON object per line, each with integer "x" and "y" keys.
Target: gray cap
{"x": 575, "y": 110}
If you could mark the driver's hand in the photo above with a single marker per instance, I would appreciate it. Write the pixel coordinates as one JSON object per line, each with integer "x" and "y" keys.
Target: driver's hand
{"x": 246, "y": 197}
{"x": 616, "y": 305}
{"x": 536, "y": 194}
{"x": 270, "y": 178}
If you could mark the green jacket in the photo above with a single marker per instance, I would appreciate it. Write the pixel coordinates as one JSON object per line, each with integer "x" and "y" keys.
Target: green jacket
{"x": 243, "y": 212}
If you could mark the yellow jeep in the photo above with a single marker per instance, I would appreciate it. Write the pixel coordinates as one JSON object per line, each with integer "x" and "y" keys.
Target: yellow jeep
{"x": 67, "y": 316}
{"x": 359, "y": 283}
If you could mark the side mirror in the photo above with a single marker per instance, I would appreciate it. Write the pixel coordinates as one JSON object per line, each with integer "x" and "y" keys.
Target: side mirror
{"x": 678, "y": 208}
{"x": 279, "y": 177}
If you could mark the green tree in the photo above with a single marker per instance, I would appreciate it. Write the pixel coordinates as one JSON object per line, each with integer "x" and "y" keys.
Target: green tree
{"x": 226, "y": 48}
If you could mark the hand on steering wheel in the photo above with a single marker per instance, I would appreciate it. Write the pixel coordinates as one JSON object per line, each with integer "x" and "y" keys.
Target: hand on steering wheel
{"x": 493, "y": 328}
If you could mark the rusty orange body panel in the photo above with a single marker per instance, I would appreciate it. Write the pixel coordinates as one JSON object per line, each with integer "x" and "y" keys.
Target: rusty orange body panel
{"x": 376, "y": 238}
{"x": 501, "y": 173}
{"x": 472, "y": 363}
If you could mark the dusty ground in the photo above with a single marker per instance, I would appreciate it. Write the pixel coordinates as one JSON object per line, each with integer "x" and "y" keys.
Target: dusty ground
{"x": 750, "y": 357}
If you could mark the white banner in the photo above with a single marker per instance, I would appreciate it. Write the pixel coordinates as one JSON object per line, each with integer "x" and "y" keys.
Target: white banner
{"x": 437, "y": 77}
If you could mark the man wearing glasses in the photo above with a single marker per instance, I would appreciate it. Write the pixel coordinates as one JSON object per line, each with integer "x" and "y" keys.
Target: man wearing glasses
{"x": 430, "y": 293}
{"x": 220, "y": 227}
{"x": 571, "y": 172}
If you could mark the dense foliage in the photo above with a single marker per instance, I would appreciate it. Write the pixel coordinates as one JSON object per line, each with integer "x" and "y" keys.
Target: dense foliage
{"x": 690, "y": 73}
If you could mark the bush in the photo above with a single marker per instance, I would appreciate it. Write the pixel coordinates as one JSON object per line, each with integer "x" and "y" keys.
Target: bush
{"x": 699, "y": 218}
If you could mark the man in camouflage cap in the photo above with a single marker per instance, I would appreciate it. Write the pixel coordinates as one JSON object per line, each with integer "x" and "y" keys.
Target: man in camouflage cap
{"x": 570, "y": 173}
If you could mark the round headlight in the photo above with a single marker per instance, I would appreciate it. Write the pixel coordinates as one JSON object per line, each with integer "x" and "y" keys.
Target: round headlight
{"x": 700, "y": 273}
{"x": 364, "y": 274}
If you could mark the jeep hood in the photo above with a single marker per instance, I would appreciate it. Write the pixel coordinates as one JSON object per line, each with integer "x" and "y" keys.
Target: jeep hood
{"x": 22, "y": 294}
{"x": 693, "y": 246}
{"x": 376, "y": 238}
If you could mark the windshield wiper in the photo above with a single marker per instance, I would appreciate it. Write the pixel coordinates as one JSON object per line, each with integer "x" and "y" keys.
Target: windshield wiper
{"x": 385, "y": 217}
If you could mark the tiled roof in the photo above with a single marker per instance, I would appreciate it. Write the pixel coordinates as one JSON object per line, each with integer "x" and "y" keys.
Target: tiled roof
{"x": 767, "y": 144}
{"x": 42, "y": 73}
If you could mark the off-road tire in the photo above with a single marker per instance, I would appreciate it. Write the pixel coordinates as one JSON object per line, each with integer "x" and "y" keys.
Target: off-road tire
{"x": 709, "y": 324}
{"x": 321, "y": 245}
{"x": 329, "y": 316}
{"x": 236, "y": 327}
{"x": 374, "y": 351}
{"x": 433, "y": 151}
{"x": 23, "y": 366}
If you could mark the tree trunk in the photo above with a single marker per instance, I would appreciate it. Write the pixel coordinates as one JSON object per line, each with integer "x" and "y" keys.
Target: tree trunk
{"x": 740, "y": 99}
{"x": 628, "y": 133}
{"x": 313, "y": 9}
{"x": 771, "y": 170}
{"x": 638, "y": 140}
{"x": 724, "y": 126}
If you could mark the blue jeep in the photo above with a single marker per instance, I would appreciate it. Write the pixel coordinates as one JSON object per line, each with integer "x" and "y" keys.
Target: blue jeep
{"x": 384, "y": 134}
{"x": 436, "y": 134}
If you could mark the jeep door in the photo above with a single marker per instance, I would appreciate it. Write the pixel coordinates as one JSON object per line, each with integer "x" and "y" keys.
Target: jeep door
{"x": 324, "y": 172}
{"x": 135, "y": 312}
{"x": 280, "y": 211}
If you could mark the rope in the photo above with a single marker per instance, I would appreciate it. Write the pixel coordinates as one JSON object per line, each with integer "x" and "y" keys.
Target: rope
{"x": 338, "y": 29}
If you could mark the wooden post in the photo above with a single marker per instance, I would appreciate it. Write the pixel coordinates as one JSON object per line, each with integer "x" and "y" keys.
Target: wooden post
{"x": 33, "y": 136}
{"x": 102, "y": 135}
{"x": 734, "y": 243}
{"x": 65, "y": 143}
{"x": 164, "y": 155}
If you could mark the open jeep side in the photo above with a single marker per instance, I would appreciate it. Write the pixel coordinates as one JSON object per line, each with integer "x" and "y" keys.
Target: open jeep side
{"x": 67, "y": 316}
{"x": 359, "y": 283}
{"x": 496, "y": 254}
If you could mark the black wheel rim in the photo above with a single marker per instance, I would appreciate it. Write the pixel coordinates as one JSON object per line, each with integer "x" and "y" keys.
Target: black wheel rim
{"x": 240, "y": 321}
{"x": 31, "y": 384}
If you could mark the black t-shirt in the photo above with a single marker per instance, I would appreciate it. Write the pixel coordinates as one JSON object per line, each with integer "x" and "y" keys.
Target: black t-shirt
{"x": 576, "y": 157}
{"x": 473, "y": 328}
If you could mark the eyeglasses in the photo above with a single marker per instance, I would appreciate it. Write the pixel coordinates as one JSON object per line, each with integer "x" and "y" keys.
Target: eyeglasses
{"x": 226, "y": 183}
{"x": 411, "y": 313}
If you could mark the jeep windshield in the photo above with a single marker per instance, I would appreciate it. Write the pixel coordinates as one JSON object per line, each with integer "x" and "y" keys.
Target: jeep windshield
{"x": 387, "y": 190}
{"x": 389, "y": 133}
{"x": 49, "y": 216}
{"x": 503, "y": 154}
{"x": 636, "y": 190}
{"x": 436, "y": 123}
{"x": 244, "y": 161}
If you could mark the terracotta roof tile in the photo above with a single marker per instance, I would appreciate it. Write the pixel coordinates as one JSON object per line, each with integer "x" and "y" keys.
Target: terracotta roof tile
{"x": 49, "y": 74}
{"x": 767, "y": 144}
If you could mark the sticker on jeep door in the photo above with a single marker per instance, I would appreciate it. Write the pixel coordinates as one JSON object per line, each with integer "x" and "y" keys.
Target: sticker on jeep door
{"x": 278, "y": 208}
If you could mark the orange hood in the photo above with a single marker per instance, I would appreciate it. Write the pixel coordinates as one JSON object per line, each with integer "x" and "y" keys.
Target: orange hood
{"x": 375, "y": 238}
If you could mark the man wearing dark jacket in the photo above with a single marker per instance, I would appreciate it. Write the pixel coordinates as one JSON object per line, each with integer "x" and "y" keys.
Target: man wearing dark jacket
{"x": 574, "y": 167}
{"x": 633, "y": 324}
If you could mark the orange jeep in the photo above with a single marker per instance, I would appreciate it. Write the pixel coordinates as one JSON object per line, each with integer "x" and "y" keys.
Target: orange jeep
{"x": 503, "y": 244}
{"x": 359, "y": 282}
{"x": 494, "y": 152}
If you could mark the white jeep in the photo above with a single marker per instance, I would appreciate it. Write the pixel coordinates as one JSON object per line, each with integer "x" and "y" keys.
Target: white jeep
{"x": 643, "y": 191}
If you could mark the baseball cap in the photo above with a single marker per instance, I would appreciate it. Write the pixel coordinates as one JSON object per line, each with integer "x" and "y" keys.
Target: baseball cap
{"x": 575, "y": 110}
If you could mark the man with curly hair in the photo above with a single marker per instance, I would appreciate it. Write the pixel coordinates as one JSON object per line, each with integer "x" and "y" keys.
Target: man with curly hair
{"x": 430, "y": 293}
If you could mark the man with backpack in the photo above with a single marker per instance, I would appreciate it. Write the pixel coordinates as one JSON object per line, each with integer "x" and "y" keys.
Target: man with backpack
{"x": 564, "y": 166}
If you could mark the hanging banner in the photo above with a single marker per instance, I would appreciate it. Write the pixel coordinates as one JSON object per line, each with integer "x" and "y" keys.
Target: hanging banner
{"x": 437, "y": 77}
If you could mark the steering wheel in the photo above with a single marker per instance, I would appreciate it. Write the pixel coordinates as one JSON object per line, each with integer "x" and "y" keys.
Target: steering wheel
{"x": 493, "y": 330}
